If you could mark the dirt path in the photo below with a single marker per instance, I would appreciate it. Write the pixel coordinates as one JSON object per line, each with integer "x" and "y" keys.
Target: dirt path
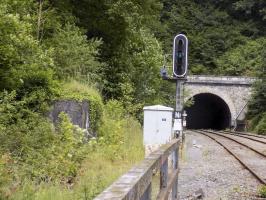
{"x": 206, "y": 165}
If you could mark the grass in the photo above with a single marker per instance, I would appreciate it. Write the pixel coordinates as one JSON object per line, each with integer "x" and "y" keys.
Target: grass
{"x": 97, "y": 172}
{"x": 80, "y": 90}
{"x": 118, "y": 147}
{"x": 262, "y": 191}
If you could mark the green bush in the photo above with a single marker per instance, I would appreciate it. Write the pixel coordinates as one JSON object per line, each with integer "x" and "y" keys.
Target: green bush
{"x": 245, "y": 59}
{"x": 253, "y": 122}
{"x": 118, "y": 147}
{"x": 32, "y": 148}
{"x": 261, "y": 126}
{"x": 262, "y": 191}
{"x": 257, "y": 105}
{"x": 25, "y": 66}
{"x": 120, "y": 134}
{"x": 95, "y": 164}
{"x": 6, "y": 163}
{"x": 74, "y": 56}
{"x": 35, "y": 152}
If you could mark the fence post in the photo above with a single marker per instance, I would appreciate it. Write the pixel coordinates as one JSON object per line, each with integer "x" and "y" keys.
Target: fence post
{"x": 175, "y": 166}
{"x": 164, "y": 174}
{"x": 147, "y": 193}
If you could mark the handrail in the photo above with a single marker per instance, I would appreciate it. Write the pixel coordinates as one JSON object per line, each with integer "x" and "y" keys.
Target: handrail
{"x": 136, "y": 183}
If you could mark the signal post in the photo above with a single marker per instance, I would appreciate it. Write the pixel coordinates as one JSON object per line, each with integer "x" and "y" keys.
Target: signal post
{"x": 180, "y": 67}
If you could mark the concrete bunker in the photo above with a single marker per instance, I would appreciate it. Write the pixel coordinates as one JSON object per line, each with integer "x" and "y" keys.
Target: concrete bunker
{"x": 209, "y": 111}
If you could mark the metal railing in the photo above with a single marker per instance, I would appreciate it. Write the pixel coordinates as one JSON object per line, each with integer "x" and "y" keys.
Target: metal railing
{"x": 136, "y": 184}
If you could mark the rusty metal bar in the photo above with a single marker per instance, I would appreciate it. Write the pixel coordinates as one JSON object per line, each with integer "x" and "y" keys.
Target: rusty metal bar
{"x": 136, "y": 184}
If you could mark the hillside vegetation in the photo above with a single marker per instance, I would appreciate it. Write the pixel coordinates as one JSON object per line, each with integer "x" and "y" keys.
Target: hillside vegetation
{"x": 108, "y": 52}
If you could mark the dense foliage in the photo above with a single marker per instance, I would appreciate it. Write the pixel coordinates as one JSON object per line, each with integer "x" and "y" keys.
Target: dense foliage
{"x": 214, "y": 28}
{"x": 226, "y": 38}
{"x": 109, "y": 53}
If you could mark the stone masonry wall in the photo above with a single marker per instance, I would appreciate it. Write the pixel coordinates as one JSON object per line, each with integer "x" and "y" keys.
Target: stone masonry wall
{"x": 233, "y": 90}
{"x": 78, "y": 112}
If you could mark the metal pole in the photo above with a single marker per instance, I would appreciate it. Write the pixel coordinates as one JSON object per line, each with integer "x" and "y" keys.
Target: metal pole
{"x": 178, "y": 107}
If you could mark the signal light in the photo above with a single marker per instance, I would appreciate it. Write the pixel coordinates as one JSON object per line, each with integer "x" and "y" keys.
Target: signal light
{"x": 180, "y": 58}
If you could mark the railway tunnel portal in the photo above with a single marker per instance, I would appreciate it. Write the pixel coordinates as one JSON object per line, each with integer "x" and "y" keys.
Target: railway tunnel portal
{"x": 219, "y": 102}
{"x": 208, "y": 112}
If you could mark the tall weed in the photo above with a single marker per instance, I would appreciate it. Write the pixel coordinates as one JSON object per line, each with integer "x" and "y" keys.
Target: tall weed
{"x": 86, "y": 168}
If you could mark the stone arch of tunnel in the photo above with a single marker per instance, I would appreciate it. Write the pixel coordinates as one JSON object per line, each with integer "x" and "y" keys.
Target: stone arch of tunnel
{"x": 208, "y": 111}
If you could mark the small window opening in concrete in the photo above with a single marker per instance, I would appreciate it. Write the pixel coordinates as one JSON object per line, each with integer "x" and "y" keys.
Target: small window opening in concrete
{"x": 208, "y": 112}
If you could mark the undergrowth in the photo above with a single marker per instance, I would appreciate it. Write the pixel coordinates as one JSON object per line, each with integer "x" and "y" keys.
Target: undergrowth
{"x": 40, "y": 161}
{"x": 258, "y": 124}
{"x": 262, "y": 191}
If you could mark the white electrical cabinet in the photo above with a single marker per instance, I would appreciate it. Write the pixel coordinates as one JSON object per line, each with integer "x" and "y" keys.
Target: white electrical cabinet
{"x": 157, "y": 128}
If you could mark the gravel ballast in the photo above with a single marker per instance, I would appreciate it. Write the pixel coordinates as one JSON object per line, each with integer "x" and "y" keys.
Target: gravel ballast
{"x": 206, "y": 165}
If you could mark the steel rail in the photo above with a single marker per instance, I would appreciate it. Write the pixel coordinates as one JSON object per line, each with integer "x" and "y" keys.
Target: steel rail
{"x": 262, "y": 180}
{"x": 244, "y": 136}
{"x": 243, "y": 133}
{"x": 243, "y": 144}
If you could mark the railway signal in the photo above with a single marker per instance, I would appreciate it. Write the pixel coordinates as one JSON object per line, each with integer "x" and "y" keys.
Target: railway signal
{"x": 180, "y": 67}
{"x": 180, "y": 57}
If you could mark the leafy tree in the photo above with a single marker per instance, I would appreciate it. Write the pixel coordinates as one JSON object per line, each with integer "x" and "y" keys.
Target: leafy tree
{"x": 73, "y": 55}
{"x": 245, "y": 60}
{"x": 257, "y": 105}
{"x": 24, "y": 65}
{"x": 211, "y": 31}
{"x": 144, "y": 69}
{"x": 119, "y": 24}
{"x": 252, "y": 8}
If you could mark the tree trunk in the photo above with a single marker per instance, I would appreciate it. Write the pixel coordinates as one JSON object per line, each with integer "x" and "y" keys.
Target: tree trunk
{"x": 39, "y": 19}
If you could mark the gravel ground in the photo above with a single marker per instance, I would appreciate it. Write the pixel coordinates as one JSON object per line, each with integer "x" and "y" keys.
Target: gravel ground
{"x": 206, "y": 165}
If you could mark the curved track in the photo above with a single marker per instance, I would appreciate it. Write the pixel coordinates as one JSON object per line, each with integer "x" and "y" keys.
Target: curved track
{"x": 261, "y": 140}
{"x": 246, "y": 134}
{"x": 249, "y": 152}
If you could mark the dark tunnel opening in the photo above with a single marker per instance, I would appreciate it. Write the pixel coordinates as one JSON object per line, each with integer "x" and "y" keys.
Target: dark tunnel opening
{"x": 208, "y": 112}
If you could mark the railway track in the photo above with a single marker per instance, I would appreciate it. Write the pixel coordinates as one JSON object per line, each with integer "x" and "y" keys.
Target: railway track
{"x": 253, "y": 144}
{"x": 248, "y": 135}
{"x": 250, "y": 152}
